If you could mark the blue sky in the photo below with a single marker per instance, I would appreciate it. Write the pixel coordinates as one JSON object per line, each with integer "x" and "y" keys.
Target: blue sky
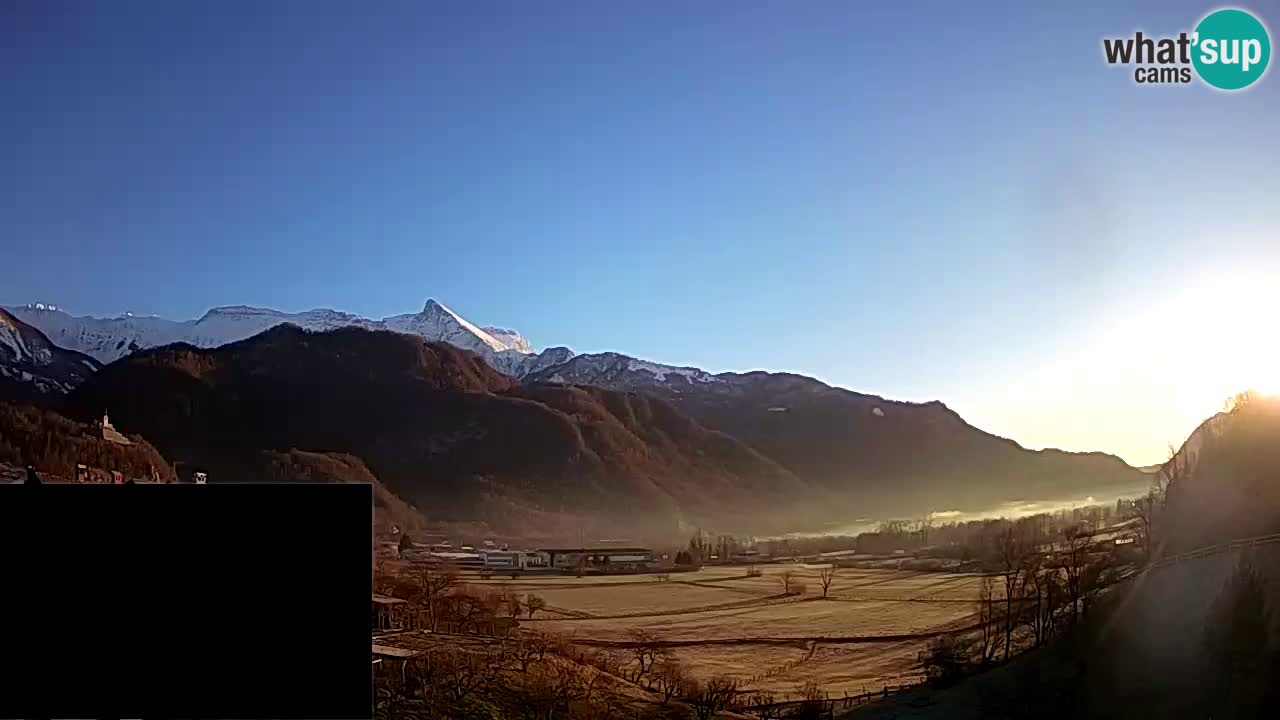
{"x": 920, "y": 200}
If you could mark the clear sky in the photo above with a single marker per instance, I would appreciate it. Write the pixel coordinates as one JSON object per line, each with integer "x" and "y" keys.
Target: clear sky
{"x": 945, "y": 200}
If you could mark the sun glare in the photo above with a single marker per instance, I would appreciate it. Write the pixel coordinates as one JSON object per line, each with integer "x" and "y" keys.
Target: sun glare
{"x": 1224, "y": 336}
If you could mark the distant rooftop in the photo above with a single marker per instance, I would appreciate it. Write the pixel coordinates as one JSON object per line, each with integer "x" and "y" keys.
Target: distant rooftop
{"x": 598, "y": 550}
{"x": 395, "y": 652}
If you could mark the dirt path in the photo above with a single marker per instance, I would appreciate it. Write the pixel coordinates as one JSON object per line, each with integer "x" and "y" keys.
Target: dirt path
{"x": 794, "y": 641}
{"x": 759, "y": 602}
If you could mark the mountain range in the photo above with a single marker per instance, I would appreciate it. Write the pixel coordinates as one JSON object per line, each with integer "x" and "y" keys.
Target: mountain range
{"x": 108, "y": 339}
{"x": 470, "y": 422}
{"x": 442, "y": 430}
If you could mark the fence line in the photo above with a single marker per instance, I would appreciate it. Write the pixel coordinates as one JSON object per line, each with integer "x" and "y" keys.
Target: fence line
{"x": 1218, "y": 549}
{"x": 829, "y": 704}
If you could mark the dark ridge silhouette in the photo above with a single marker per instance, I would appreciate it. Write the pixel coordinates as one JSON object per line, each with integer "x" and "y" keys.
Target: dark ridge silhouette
{"x": 1230, "y": 487}
{"x": 883, "y": 456}
{"x": 445, "y": 432}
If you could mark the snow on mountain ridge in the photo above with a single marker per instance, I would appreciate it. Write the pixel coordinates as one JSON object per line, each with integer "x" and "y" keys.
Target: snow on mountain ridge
{"x": 615, "y": 370}
{"x": 506, "y": 350}
{"x": 28, "y": 358}
{"x": 660, "y": 372}
{"x": 108, "y": 339}
{"x": 438, "y": 322}
{"x": 13, "y": 345}
{"x": 511, "y": 338}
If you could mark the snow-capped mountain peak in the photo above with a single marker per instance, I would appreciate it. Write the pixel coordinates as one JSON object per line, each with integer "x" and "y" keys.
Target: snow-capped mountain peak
{"x": 611, "y": 369}
{"x": 108, "y": 339}
{"x": 511, "y": 338}
{"x": 438, "y": 322}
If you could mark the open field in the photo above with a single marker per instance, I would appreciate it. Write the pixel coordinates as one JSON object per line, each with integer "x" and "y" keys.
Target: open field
{"x": 718, "y": 621}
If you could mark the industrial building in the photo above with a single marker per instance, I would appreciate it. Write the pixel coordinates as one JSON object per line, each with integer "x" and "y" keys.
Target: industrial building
{"x": 606, "y": 559}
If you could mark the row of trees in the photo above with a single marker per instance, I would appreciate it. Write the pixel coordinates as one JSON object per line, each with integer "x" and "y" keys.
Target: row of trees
{"x": 704, "y": 547}
{"x": 523, "y": 677}
{"x": 647, "y": 664}
{"x": 438, "y": 595}
{"x": 1039, "y": 589}
{"x": 973, "y": 540}
{"x": 533, "y": 676}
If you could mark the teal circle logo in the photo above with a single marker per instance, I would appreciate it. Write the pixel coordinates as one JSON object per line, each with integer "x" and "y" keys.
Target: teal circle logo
{"x": 1231, "y": 49}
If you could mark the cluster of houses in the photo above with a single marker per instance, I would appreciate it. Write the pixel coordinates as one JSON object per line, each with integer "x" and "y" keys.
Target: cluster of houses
{"x": 502, "y": 558}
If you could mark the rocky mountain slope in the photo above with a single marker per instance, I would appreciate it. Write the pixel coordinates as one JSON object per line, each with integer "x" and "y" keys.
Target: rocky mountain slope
{"x": 34, "y": 369}
{"x": 447, "y": 433}
{"x": 885, "y": 456}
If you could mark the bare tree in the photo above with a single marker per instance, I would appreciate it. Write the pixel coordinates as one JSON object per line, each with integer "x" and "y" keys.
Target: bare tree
{"x": 463, "y": 673}
{"x": 1097, "y": 575}
{"x": 1144, "y": 509}
{"x": 925, "y": 525}
{"x": 1011, "y": 552}
{"x": 605, "y": 705}
{"x": 528, "y": 649}
{"x": 610, "y": 661}
{"x": 764, "y": 705}
{"x": 1071, "y": 559}
{"x": 989, "y": 635}
{"x": 710, "y": 697}
{"x": 646, "y": 652}
{"x": 513, "y": 605}
{"x": 699, "y": 548}
{"x": 813, "y": 702}
{"x": 826, "y": 576}
{"x": 559, "y": 688}
{"x": 668, "y": 679}
{"x": 1032, "y": 590}
{"x": 534, "y": 603}
{"x": 947, "y": 657}
{"x": 434, "y": 584}
{"x": 786, "y": 578}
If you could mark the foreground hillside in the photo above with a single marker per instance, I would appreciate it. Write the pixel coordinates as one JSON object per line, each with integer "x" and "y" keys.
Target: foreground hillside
{"x": 1195, "y": 635}
{"x": 446, "y": 432}
{"x": 1225, "y": 481}
{"x": 1197, "y": 639}
{"x": 54, "y": 445}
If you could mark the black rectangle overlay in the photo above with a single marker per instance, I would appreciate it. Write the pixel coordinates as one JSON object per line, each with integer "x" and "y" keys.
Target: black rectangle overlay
{"x": 185, "y": 601}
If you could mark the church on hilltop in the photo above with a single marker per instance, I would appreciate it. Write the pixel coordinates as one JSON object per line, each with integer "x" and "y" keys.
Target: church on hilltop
{"x": 110, "y": 434}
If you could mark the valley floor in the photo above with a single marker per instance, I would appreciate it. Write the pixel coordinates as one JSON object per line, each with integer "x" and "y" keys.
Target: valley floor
{"x": 718, "y": 622}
